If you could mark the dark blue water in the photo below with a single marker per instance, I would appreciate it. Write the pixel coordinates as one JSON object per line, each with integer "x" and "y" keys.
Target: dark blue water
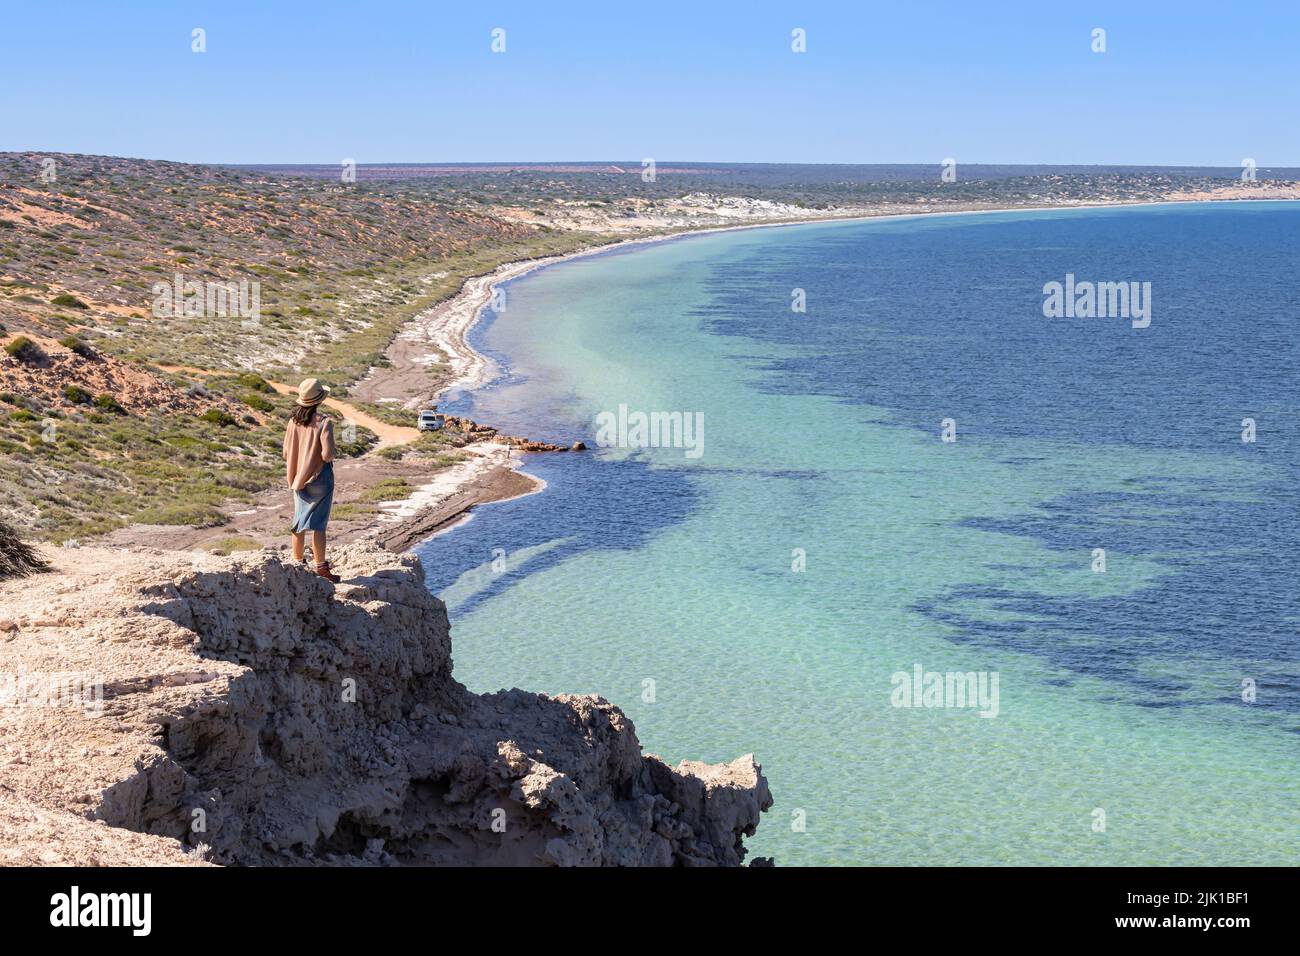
{"x": 946, "y": 322}
{"x": 1122, "y": 689}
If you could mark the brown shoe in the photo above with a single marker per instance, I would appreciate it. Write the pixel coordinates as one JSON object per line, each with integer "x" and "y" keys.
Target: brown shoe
{"x": 325, "y": 571}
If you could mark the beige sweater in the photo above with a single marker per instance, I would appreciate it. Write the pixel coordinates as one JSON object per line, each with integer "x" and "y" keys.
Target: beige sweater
{"x": 306, "y": 449}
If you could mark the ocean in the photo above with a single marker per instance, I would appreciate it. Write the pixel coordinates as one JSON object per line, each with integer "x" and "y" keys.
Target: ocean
{"x": 919, "y": 477}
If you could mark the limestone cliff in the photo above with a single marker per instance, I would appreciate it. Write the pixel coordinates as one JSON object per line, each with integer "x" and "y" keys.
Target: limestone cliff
{"x": 254, "y": 714}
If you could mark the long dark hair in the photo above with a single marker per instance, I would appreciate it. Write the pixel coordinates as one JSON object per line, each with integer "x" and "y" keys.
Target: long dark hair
{"x": 303, "y": 414}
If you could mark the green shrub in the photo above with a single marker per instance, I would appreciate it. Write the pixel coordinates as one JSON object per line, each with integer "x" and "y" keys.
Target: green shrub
{"x": 25, "y": 350}
{"x": 219, "y": 416}
{"x": 446, "y": 461}
{"x": 198, "y": 515}
{"x": 108, "y": 403}
{"x": 350, "y": 510}
{"x": 365, "y": 440}
{"x": 253, "y": 400}
{"x": 389, "y": 489}
{"x": 76, "y": 394}
{"x": 255, "y": 382}
{"x": 75, "y": 344}
{"x": 64, "y": 300}
{"x": 234, "y": 543}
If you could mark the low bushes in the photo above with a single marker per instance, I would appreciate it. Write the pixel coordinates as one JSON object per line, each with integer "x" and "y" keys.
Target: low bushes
{"x": 255, "y": 382}
{"x": 198, "y": 515}
{"x": 390, "y": 489}
{"x": 234, "y": 543}
{"x": 75, "y": 344}
{"x": 24, "y": 350}
{"x": 108, "y": 403}
{"x": 66, "y": 301}
{"x": 219, "y": 416}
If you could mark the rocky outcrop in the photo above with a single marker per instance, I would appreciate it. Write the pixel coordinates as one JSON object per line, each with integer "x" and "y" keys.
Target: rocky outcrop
{"x": 254, "y": 714}
{"x": 462, "y": 431}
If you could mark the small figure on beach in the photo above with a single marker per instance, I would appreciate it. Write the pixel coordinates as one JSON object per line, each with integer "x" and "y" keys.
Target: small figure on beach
{"x": 309, "y": 467}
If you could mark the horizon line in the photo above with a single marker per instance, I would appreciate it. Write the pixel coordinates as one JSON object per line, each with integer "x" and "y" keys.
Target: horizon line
{"x": 636, "y": 163}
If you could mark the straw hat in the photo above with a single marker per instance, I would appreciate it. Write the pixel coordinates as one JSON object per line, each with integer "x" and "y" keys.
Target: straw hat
{"x": 311, "y": 392}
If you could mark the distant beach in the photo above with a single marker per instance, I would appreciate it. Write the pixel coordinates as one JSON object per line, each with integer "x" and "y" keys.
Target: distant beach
{"x": 441, "y": 334}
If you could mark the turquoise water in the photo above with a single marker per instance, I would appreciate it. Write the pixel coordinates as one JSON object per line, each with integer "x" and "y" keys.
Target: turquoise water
{"x": 668, "y": 584}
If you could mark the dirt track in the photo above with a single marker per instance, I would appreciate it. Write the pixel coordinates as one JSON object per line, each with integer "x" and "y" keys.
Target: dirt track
{"x": 389, "y": 435}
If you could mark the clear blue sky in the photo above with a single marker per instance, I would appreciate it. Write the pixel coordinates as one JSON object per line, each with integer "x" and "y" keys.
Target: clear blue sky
{"x": 1016, "y": 82}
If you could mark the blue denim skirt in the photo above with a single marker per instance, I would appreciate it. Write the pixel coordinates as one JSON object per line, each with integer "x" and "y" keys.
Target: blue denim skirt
{"x": 311, "y": 506}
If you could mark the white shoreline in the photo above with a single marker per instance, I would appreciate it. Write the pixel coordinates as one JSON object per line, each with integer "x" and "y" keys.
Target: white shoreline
{"x": 447, "y": 325}
{"x": 483, "y": 458}
{"x": 462, "y": 311}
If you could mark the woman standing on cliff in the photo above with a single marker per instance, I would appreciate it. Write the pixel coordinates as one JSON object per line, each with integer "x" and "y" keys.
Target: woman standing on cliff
{"x": 309, "y": 468}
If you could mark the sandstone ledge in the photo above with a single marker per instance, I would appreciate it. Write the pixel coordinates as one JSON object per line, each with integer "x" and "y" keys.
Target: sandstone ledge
{"x": 254, "y": 714}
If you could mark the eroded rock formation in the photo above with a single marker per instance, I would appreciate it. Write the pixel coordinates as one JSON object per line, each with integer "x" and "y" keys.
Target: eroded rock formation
{"x": 254, "y": 714}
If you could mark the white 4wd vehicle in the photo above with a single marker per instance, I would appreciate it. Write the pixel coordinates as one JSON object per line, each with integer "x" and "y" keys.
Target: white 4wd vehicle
{"x": 431, "y": 421}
